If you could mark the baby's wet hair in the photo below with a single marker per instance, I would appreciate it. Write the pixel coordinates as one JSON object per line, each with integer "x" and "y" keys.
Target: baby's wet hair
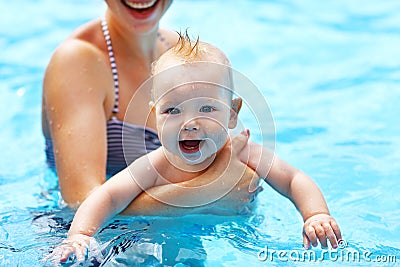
{"x": 193, "y": 51}
{"x": 187, "y": 48}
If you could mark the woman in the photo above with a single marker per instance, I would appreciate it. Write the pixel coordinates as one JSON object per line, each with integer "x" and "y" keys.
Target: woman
{"x": 87, "y": 87}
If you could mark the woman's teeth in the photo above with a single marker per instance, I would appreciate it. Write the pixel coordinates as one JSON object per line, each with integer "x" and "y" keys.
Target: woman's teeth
{"x": 140, "y": 5}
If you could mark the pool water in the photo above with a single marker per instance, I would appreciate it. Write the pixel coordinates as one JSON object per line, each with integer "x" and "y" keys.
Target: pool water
{"x": 330, "y": 72}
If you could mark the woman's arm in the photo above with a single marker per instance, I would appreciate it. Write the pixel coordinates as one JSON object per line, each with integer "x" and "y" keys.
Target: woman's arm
{"x": 230, "y": 201}
{"x": 74, "y": 97}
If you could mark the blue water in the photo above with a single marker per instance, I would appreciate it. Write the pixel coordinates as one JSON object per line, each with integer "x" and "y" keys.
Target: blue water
{"x": 330, "y": 71}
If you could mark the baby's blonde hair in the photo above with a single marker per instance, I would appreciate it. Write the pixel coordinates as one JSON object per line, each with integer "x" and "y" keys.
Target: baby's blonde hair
{"x": 186, "y": 48}
{"x": 188, "y": 51}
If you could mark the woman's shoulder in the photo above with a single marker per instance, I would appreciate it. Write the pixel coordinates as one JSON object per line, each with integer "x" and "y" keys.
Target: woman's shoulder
{"x": 84, "y": 43}
{"x": 171, "y": 36}
{"x": 81, "y": 53}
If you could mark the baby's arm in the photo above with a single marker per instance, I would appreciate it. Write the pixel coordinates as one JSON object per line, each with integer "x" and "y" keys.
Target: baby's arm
{"x": 300, "y": 189}
{"x": 102, "y": 204}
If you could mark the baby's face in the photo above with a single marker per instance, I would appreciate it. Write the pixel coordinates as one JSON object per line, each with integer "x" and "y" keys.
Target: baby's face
{"x": 193, "y": 119}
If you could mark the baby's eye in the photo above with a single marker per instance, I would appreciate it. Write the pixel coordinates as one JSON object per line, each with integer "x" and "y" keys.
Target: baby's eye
{"x": 172, "y": 111}
{"x": 207, "y": 109}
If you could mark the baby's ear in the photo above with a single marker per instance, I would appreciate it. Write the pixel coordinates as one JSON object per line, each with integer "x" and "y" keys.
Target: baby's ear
{"x": 236, "y": 106}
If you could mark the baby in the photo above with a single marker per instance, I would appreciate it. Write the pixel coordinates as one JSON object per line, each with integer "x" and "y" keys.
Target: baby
{"x": 194, "y": 108}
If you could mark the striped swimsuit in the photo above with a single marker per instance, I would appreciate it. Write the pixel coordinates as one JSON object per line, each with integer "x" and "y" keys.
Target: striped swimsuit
{"x": 125, "y": 142}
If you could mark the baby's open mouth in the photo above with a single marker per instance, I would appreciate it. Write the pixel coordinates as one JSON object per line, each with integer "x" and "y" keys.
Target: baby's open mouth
{"x": 190, "y": 146}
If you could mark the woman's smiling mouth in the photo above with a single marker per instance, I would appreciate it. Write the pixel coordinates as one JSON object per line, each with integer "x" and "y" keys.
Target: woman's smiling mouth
{"x": 139, "y": 6}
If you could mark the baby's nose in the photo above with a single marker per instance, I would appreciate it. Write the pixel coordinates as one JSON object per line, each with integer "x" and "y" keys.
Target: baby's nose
{"x": 191, "y": 126}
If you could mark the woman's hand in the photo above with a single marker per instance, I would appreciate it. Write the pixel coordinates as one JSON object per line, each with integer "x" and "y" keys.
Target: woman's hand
{"x": 76, "y": 247}
{"x": 228, "y": 166}
{"x": 321, "y": 227}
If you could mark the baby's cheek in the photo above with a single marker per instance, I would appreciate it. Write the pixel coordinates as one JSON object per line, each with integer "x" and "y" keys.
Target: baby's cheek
{"x": 167, "y": 127}
{"x": 220, "y": 139}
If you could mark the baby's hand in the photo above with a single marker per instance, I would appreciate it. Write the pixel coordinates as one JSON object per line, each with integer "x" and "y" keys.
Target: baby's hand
{"x": 78, "y": 246}
{"x": 321, "y": 227}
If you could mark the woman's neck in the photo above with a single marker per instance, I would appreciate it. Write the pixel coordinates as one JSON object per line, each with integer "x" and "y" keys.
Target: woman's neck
{"x": 132, "y": 46}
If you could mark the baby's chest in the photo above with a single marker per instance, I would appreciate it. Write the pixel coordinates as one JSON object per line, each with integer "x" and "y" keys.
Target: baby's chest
{"x": 173, "y": 177}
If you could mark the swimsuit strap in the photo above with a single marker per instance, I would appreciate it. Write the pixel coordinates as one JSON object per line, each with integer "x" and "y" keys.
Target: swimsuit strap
{"x": 114, "y": 70}
{"x": 113, "y": 64}
{"x": 163, "y": 40}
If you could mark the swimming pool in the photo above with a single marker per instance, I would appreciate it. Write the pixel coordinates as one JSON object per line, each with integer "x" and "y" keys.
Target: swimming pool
{"x": 331, "y": 74}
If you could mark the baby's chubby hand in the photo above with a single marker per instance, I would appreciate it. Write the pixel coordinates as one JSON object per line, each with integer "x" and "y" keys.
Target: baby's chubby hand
{"x": 321, "y": 227}
{"x": 75, "y": 246}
